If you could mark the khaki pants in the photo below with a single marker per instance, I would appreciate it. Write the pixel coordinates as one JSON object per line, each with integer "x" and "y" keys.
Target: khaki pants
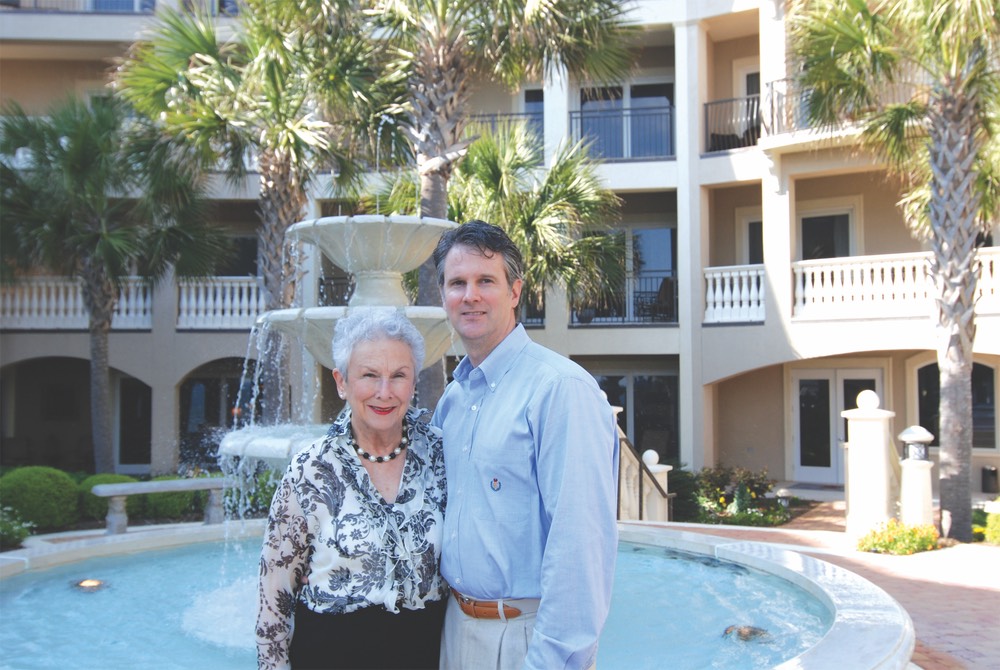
{"x": 484, "y": 644}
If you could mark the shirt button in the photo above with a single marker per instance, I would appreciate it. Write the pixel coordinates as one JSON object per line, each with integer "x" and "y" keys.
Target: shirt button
{"x": 475, "y": 407}
{"x": 493, "y": 385}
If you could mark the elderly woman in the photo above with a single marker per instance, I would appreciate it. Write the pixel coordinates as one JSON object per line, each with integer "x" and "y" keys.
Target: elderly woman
{"x": 349, "y": 570}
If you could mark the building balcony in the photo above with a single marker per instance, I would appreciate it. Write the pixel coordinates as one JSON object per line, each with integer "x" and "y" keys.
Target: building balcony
{"x": 732, "y": 124}
{"x": 861, "y": 287}
{"x": 650, "y": 298}
{"x": 217, "y": 7}
{"x": 638, "y": 134}
{"x": 56, "y": 303}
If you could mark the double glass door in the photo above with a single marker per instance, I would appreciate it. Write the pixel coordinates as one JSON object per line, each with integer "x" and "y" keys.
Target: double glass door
{"x": 818, "y": 430}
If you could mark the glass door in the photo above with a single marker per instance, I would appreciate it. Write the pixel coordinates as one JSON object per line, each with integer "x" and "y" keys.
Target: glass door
{"x": 818, "y": 430}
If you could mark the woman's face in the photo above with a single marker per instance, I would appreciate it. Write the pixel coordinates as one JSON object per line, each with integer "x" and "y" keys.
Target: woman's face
{"x": 379, "y": 384}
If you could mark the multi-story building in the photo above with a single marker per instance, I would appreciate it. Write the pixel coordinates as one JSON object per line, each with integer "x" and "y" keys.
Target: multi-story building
{"x": 771, "y": 277}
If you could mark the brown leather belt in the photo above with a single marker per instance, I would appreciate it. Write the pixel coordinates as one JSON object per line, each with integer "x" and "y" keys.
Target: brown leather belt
{"x": 485, "y": 609}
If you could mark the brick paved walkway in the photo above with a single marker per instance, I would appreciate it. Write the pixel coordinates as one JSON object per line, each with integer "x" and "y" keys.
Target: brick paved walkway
{"x": 952, "y": 595}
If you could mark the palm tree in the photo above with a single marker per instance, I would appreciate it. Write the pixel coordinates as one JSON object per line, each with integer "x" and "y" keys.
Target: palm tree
{"x": 560, "y": 217}
{"x": 275, "y": 94}
{"x": 92, "y": 192}
{"x": 922, "y": 79}
{"x": 439, "y": 50}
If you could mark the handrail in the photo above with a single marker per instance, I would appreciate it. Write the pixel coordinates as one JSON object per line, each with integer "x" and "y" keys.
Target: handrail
{"x": 628, "y": 448}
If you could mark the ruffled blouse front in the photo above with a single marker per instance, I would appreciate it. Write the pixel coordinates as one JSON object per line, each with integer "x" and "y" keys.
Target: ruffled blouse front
{"x": 328, "y": 521}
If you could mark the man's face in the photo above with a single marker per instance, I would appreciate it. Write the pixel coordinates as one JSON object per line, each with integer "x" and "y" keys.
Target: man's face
{"x": 478, "y": 300}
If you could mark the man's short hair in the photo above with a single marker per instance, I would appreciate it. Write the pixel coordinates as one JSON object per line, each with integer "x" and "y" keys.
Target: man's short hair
{"x": 487, "y": 239}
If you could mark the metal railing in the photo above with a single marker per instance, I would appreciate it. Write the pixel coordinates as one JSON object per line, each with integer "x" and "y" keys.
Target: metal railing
{"x": 649, "y": 298}
{"x": 732, "y": 124}
{"x": 626, "y": 134}
{"x": 216, "y": 7}
{"x": 83, "y": 6}
{"x": 639, "y": 489}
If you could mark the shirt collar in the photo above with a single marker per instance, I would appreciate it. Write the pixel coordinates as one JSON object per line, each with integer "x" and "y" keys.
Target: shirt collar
{"x": 499, "y": 361}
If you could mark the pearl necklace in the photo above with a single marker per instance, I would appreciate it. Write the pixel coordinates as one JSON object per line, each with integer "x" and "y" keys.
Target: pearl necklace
{"x": 376, "y": 459}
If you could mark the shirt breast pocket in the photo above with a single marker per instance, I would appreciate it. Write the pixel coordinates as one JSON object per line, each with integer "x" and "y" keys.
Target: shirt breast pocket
{"x": 507, "y": 482}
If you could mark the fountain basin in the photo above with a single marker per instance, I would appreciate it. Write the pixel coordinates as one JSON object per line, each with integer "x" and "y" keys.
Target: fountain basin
{"x": 863, "y": 627}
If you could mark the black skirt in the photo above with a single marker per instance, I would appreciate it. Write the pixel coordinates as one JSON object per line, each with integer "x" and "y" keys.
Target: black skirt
{"x": 368, "y": 638}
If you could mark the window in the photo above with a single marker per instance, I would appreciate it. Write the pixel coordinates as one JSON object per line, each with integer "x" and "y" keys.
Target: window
{"x": 830, "y": 228}
{"x": 649, "y": 413}
{"x": 825, "y": 236}
{"x": 627, "y": 122}
{"x": 749, "y": 236}
{"x": 243, "y": 262}
{"x": 534, "y": 109}
{"x": 984, "y": 414}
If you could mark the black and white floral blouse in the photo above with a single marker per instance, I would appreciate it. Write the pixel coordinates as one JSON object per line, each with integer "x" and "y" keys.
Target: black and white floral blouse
{"x": 328, "y": 521}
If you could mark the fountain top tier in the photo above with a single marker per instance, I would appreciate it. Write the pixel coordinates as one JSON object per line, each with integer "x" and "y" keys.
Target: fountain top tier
{"x": 376, "y": 250}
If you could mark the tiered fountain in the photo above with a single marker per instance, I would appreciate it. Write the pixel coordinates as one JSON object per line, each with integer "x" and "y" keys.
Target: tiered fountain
{"x": 376, "y": 250}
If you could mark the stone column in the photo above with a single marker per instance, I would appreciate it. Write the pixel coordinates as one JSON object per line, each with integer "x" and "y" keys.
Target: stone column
{"x": 656, "y": 506}
{"x": 869, "y": 501}
{"x": 916, "y": 506}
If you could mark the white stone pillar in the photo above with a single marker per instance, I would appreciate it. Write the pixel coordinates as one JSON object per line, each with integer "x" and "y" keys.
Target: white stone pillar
{"x": 656, "y": 506}
{"x": 916, "y": 505}
{"x": 869, "y": 502}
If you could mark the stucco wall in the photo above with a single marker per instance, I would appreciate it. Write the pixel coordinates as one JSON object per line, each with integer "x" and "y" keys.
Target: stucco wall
{"x": 750, "y": 424}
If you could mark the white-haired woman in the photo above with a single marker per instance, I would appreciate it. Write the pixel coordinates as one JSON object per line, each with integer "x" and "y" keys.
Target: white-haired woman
{"x": 349, "y": 570}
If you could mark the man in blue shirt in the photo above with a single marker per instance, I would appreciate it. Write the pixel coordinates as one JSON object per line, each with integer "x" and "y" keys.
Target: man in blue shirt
{"x": 531, "y": 454}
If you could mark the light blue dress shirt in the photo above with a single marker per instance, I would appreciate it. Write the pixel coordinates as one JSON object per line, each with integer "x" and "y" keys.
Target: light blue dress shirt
{"x": 531, "y": 455}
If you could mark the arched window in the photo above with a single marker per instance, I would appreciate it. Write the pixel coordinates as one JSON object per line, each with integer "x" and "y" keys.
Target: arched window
{"x": 984, "y": 413}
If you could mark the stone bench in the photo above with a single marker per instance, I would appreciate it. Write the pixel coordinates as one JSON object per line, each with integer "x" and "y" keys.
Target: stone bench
{"x": 117, "y": 519}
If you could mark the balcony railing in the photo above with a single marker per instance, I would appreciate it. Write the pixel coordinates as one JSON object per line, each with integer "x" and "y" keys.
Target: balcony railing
{"x": 732, "y": 124}
{"x": 734, "y": 294}
{"x": 626, "y": 134}
{"x": 534, "y": 120}
{"x": 84, "y": 6}
{"x": 219, "y": 303}
{"x": 217, "y": 7}
{"x": 56, "y": 303}
{"x": 862, "y": 287}
{"x": 788, "y": 107}
{"x": 648, "y": 298}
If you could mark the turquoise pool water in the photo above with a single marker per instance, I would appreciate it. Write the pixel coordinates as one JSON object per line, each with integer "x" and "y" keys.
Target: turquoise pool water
{"x": 194, "y": 607}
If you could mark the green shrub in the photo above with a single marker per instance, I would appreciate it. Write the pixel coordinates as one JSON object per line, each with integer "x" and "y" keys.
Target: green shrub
{"x": 737, "y": 496}
{"x": 896, "y": 538}
{"x": 43, "y": 496}
{"x": 684, "y": 484}
{"x": 96, "y": 507}
{"x": 13, "y": 531}
{"x": 249, "y": 496}
{"x": 172, "y": 505}
{"x": 992, "y": 532}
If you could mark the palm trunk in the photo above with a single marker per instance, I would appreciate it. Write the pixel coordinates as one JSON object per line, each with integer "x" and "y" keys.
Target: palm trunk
{"x": 954, "y": 204}
{"x": 99, "y": 296}
{"x": 282, "y": 203}
{"x": 440, "y": 99}
{"x": 433, "y": 203}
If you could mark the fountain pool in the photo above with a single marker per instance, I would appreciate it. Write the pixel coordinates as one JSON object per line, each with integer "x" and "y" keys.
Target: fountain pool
{"x": 194, "y": 606}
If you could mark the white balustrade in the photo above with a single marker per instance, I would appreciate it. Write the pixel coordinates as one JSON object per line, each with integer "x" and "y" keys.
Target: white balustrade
{"x": 56, "y": 303}
{"x": 896, "y": 285}
{"x": 219, "y": 303}
{"x": 734, "y": 294}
